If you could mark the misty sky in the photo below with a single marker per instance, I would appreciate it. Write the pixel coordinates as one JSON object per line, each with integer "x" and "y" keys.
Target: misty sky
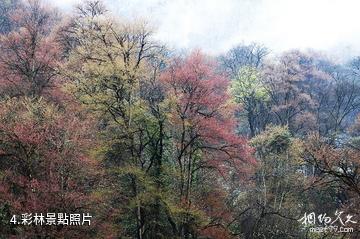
{"x": 217, "y": 25}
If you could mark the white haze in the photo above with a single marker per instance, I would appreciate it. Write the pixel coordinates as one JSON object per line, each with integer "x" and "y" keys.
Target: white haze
{"x": 216, "y": 26}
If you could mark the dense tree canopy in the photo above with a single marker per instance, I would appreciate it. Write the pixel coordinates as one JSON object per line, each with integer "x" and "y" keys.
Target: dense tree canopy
{"x": 98, "y": 117}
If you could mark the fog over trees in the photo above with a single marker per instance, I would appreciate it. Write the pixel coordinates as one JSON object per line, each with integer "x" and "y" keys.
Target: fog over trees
{"x": 99, "y": 117}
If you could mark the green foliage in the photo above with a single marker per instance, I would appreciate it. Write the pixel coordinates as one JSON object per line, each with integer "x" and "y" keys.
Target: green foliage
{"x": 249, "y": 91}
{"x": 96, "y": 115}
{"x": 5, "y": 215}
{"x": 275, "y": 140}
{"x": 248, "y": 86}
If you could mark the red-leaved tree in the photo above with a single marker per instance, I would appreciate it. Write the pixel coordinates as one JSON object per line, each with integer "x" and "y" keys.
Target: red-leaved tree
{"x": 28, "y": 54}
{"x": 44, "y": 165}
{"x": 203, "y": 129}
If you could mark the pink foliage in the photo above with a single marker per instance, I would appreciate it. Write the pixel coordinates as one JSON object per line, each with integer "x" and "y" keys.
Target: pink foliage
{"x": 202, "y": 104}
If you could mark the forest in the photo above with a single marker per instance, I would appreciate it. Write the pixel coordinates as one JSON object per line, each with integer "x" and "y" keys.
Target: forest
{"x": 97, "y": 117}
